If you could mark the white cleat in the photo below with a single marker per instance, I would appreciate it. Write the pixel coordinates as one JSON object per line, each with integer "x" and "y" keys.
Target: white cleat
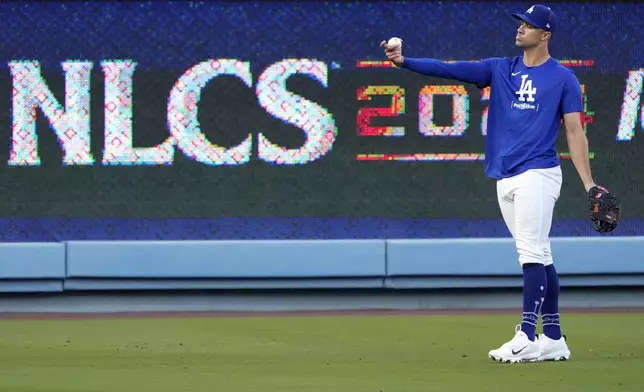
{"x": 519, "y": 349}
{"x": 553, "y": 350}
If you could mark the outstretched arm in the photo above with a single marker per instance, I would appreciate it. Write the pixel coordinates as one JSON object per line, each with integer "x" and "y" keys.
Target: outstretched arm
{"x": 477, "y": 72}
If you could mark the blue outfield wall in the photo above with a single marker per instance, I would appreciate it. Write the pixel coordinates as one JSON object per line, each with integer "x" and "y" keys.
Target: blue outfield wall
{"x": 298, "y": 264}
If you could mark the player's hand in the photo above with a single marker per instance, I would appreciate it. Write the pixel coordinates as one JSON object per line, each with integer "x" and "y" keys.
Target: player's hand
{"x": 605, "y": 209}
{"x": 393, "y": 53}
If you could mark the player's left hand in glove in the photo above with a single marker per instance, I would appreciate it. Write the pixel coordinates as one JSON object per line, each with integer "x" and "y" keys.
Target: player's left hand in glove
{"x": 605, "y": 209}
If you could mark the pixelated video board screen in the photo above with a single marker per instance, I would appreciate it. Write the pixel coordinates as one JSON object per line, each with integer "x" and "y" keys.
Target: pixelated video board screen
{"x": 285, "y": 109}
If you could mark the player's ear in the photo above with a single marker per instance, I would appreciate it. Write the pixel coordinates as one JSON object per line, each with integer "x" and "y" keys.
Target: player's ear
{"x": 546, "y": 36}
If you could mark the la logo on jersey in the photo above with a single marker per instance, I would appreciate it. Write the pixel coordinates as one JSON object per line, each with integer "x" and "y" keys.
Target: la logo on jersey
{"x": 526, "y": 89}
{"x": 526, "y": 95}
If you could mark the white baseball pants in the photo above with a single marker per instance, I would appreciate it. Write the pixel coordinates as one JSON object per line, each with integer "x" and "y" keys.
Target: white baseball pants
{"x": 527, "y": 203}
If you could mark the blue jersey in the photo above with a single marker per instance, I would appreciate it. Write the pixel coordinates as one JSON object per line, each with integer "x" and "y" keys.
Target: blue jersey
{"x": 525, "y": 110}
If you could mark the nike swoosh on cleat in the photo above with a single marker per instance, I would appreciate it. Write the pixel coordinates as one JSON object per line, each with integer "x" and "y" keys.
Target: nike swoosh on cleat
{"x": 517, "y": 352}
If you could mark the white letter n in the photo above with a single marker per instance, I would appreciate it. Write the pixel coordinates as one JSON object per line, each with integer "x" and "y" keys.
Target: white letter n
{"x": 632, "y": 98}
{"x": 72, "y": 125}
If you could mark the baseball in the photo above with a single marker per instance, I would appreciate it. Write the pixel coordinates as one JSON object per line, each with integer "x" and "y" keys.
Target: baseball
{"x": 394, "y": 42}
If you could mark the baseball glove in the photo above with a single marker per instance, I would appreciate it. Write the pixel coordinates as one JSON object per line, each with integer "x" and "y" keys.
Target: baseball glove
{"x": 605, "y": 209}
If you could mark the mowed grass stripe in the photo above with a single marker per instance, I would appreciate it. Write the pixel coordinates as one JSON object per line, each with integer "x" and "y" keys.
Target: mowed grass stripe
{"x": 340, "y": 354}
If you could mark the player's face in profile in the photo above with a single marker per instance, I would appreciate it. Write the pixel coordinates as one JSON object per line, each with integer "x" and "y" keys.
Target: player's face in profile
{"x": 528, "y": 36}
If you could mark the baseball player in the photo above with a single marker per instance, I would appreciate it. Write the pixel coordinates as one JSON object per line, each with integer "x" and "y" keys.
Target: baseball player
{"x": 529, "y": 97}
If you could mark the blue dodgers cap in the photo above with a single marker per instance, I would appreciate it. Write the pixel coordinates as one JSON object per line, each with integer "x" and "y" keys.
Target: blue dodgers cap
{"x": 539, "y": 16}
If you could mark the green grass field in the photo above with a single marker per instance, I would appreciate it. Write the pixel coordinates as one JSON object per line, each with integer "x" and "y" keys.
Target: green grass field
{"x": 340, "y": 354}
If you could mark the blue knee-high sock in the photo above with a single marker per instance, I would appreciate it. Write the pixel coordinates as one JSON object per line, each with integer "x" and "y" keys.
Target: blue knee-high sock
{"x": 534, "y": 291}
{"x": 550, "y": 308}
